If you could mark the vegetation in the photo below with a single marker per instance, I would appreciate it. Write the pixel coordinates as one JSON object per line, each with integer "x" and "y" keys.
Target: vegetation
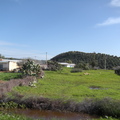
{"x": 29, "y": 68}
{"x": 117, "y": 70}
{"x": 76, "y": 86}
{"x": 54, "y": 66}
{"x": 8, "y": 76}
{"x": 76, "y": 70}
{"x": 7, "y": 86}
{"x": 102, "y": 107}
{"x": 91, "y": 60}
{"x": 90, "y": 91}
{"x": 7, "y": 116}
{"x": 97, "y": 92}
{"x": 1, "y": 56}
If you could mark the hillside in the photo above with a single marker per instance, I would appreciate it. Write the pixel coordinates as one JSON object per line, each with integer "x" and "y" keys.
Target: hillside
{"x": 96, "y": 59}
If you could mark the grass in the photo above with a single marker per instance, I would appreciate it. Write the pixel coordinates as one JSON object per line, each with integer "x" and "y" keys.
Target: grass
{"x": 6, "y": 116}
{"x": 75, "y": 86}
{"x": 7, "y": 76}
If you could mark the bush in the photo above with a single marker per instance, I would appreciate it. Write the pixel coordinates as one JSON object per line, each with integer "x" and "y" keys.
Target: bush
{"x": 76, "y": 70}
{"x": 117, "y": 70}
{"x": 82, "y": 65}
{"x": 31, "y": 69}
{"x": 54, "y": 66}
{"x": 7, "y": 86}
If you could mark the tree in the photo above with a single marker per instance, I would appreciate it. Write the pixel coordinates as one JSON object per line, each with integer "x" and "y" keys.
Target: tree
{"x": 83, "y": 65}
{"x": 95, "y": 60}
{"x": 54, "y": 66}
{"x": 69, "y": 61}
{"x": 1, "y": 56}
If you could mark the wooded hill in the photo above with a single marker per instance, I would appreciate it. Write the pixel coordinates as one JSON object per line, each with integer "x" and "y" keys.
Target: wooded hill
{"x": 98, "y": 60}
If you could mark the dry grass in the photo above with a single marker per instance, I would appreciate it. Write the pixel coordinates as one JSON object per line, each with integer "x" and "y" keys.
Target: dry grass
{"x": 7, "y": 86}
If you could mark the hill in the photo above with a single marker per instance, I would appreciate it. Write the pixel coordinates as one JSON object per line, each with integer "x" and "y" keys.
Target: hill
{"x": 94, "y": 59}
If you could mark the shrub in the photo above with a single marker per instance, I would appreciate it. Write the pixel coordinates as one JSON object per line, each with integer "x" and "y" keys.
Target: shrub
{"x": 54, "y": 66}
{"x": 29, "y": 68}
{"x": 83, "y": 65}
{"x": 102, "y": 107}
{"x": 76, "y": 70}
{"x": 117, "y": 70}
{"x": 7, "y": 86}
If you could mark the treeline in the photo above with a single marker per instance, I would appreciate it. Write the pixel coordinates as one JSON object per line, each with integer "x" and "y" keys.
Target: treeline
{"x": 11, "y": 58}
{"x": 93, "y": 60}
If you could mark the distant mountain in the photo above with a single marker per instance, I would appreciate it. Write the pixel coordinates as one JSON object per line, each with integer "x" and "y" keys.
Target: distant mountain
{"x": 95, "y": 59}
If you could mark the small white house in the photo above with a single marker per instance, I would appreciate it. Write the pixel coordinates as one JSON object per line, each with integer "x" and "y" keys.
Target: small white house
{"x": 67, "y": 64}
{"x": 8, "y": 65}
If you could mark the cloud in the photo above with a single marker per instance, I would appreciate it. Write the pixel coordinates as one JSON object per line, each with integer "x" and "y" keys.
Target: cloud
{"x": 110, "y": 21}
{"x": 115, "y": 3}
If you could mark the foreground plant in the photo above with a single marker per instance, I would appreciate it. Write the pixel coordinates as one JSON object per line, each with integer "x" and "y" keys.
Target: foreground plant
{"x": 6, "y": 116}
{"x": 31, "y": 69}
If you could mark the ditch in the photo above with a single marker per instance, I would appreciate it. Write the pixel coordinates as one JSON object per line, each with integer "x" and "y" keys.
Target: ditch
{"x": 47, "y": 114}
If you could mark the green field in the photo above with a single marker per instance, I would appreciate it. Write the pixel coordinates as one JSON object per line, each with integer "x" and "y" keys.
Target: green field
{"x": 75, "y": 86}
{"x": 7, "y": 76}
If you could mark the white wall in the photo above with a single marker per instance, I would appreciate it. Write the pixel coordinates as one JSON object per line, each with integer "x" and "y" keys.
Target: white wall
{"x": 12, "y": 65}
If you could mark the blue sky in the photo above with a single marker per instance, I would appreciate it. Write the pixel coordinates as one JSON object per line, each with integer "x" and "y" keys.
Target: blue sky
{"x": 30, "y": 28}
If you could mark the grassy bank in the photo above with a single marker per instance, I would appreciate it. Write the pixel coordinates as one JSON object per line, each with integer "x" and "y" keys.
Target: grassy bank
{"x": 6, "y": 116}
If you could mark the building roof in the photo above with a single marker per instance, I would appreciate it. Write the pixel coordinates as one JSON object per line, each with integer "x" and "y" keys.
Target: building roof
{"x": 9, "y": 60}
{"x": 66, "y": 63}
{"x": 3, "y": 61}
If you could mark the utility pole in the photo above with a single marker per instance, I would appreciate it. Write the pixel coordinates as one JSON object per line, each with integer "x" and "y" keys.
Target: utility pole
{"x": 46, "y": 58}
{"x": 105, "y": 62}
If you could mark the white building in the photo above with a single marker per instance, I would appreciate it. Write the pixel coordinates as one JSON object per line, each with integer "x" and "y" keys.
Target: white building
{"x": 8, "y": 65}
{"x": 67, "y": 64}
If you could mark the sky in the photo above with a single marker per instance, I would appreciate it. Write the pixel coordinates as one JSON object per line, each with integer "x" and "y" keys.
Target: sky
{"x": 36, "y": 28}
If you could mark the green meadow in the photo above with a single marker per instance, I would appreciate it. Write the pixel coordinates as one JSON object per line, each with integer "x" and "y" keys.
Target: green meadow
{"x": 7, "y": 76}
{"x": 75, "y": 86}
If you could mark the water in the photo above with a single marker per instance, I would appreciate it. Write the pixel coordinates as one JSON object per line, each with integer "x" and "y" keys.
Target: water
{"x": 47, "y": 115}
{"x": 97, "y": 88}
